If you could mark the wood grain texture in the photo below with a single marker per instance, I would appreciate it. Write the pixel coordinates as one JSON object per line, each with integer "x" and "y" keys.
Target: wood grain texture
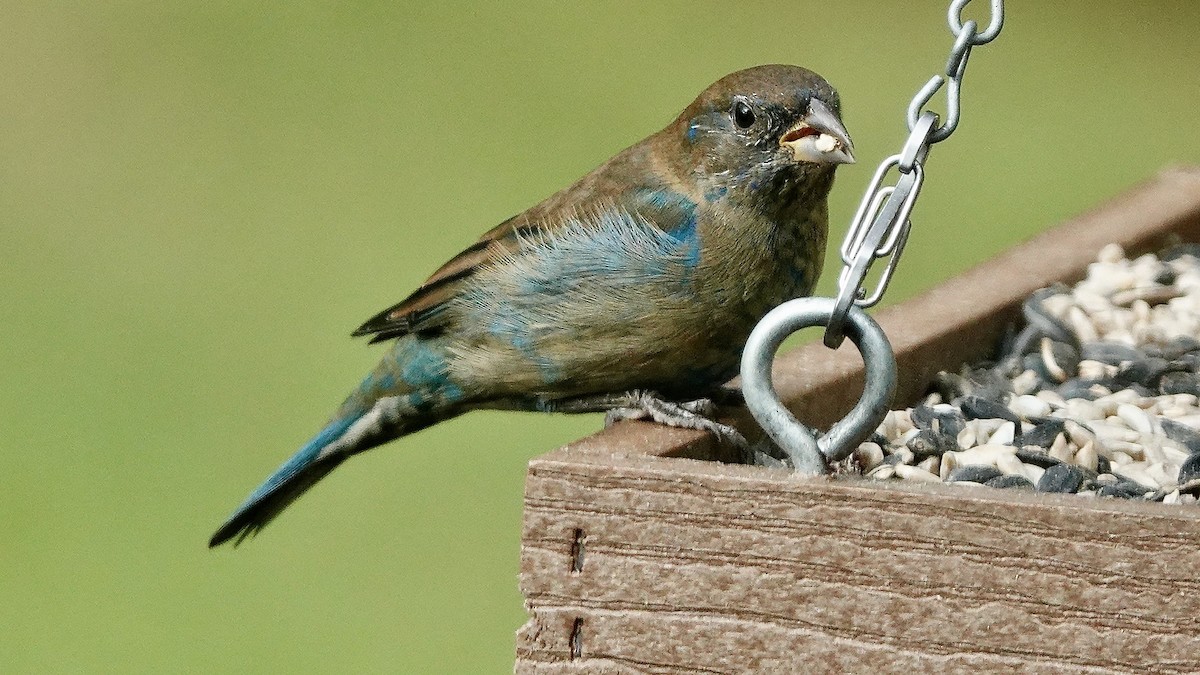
{"x": 639, "y": 556}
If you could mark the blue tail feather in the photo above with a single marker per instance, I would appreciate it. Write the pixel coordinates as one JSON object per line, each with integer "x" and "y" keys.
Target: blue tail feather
{"x": 408, "y": 391}
{"x": 288, "y": 482}
{"x": 299, "y": 461}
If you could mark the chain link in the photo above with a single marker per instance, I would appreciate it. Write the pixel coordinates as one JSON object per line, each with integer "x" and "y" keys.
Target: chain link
{"x": 881, "y": 225}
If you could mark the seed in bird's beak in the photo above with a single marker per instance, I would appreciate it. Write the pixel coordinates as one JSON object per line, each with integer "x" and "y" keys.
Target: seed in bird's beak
{"x": 826, "y": 143}
{"x": 811, "y": 145}
{"x": 819, "y": 138}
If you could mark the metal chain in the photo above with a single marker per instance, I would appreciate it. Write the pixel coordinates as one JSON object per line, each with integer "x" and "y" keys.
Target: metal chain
{"x": 886, "y": 208}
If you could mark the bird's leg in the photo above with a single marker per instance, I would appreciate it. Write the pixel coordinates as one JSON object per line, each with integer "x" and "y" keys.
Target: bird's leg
{"x": 639, "y": 405}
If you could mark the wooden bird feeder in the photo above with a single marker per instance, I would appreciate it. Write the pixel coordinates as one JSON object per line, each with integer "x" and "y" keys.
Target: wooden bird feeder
{"x": 643, "y": 551}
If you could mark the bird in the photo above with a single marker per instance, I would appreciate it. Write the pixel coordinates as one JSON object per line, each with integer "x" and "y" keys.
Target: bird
{"x": 630, "y": 292}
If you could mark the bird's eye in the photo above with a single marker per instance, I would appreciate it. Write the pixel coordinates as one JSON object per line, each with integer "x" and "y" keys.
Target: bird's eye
{"x": 743, "y": 116}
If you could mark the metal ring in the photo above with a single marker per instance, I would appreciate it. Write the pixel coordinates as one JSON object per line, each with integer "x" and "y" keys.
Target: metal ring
{"x": 835, "y": 326}
{"x": 917, "y": 145}
{"x": 956, "y": 64}
{"x": 994, "y": 26}
{"x": 925, "y": 95}
{"x": 808, "y": 453}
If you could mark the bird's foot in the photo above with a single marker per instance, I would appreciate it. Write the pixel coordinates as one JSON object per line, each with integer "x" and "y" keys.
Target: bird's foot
{"x": 640, "y": 405}
{"x": 648, "y": 405}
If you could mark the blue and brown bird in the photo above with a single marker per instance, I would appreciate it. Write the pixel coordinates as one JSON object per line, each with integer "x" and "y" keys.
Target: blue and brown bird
{"x": 630, "y": 292}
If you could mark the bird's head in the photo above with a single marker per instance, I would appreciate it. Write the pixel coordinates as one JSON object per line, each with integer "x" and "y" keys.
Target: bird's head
{"x": 762, "y": 129}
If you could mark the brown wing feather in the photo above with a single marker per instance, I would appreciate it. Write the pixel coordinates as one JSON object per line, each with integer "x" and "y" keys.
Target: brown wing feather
{"x": 421, "y": 310}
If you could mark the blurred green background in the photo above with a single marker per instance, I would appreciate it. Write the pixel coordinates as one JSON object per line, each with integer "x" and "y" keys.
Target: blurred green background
{"x": 198, "y": 202}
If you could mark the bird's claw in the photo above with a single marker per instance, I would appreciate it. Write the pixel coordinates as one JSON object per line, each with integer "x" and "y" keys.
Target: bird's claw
{"x": 686, "y": 415}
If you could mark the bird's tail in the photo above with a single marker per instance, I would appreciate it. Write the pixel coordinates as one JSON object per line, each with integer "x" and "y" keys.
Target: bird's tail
{"x": 408, "y": 391}
{"x": 309, "y": 465}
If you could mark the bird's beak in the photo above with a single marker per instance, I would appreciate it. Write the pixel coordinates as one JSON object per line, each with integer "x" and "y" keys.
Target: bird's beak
{"x": 819, "y": 137}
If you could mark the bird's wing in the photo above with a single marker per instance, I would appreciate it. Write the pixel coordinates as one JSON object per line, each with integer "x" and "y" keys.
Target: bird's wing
{"x": 423, "y": 309}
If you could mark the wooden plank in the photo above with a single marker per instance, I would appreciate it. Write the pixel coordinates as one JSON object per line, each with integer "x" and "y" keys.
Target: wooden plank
{"x": 638, "y": 557}
{"x": 816, "y": 563}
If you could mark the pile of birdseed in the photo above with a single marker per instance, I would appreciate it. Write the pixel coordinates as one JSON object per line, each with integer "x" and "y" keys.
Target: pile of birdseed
{"x": 1097, "y": 395}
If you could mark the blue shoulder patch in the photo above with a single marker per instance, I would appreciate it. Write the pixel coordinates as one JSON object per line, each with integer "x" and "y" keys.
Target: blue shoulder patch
{"x": 676, "y": 215}
{"x": 645, "y": 244}
{"x": 715, "y": 194}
